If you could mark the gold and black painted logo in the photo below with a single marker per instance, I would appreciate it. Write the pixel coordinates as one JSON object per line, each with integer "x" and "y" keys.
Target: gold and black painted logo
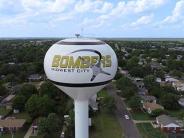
{"x": 67, "y": 63}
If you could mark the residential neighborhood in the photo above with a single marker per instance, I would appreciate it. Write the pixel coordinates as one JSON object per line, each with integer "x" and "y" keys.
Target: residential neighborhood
{"x": 145, "y": 95}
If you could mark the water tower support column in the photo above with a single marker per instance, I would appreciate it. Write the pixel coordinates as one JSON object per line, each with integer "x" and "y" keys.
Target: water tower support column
{"x": 81, "y": 119}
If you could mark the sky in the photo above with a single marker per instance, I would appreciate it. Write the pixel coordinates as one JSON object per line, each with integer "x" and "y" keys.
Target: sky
{"x": 92, "y": 18}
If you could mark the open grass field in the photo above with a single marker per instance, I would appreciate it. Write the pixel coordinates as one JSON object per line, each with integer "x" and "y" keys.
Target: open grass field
{"x": 106, "y": 126}
{"x": 147, "y": 131}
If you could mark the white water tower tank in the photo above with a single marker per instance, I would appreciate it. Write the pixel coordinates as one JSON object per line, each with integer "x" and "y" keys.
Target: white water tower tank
{"x": 80, "y": 67}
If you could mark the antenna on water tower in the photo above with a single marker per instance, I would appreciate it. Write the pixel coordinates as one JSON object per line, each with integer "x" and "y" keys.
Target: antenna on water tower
{"x": 77, "y": 35}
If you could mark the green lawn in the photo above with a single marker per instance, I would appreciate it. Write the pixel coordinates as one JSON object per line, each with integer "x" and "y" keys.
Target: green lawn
{"x": 4, "y": 111}
{"x": 176, "y": 113}
{"x": 147, "y": 131}
{"x": 105, "y": 126}
{"x": 36, "y": 137}
{"x": 18, "y": 134}
{"x": 23, "y": 115}
{"x": 102, "y": 93}
{"x": 139, "y": 115}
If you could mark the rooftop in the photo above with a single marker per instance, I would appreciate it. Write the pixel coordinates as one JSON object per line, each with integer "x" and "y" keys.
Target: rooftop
{"x": 12, "y": 123}
{"x": 166, "y": 120}
{"x": 148, "y": 97}
{"x": 152, "y": 106}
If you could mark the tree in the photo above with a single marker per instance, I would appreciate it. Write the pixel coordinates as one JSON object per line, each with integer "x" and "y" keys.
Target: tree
{"x": 128, "y": 89}
{"x": 49, "y": 89}
{"x": 156, "y": 91}
{"x": 46, "y": 105}
{"x": 157, "y": 112}
{"x": 3, "y": 90}
{"x": 128, "y": 92}
{"x": 109, "y": 103}
{"x": 134, "y": 102}
{"x": 149, "y": 81}
{"x": 132, "y": 62}
{"x": 39, "y": 106}
{"x": 32, "y": 106}
{"x": 170, "y": 101}
{"x": 50, "y": 126}
{"x": 27, "y": 90}
{"x": 160, "y": 74}
{"x": 118, "y": 75}
{"x": 19, "y": 102}
{"x": 137, "y": 72}
{"x": 177, "y": 73}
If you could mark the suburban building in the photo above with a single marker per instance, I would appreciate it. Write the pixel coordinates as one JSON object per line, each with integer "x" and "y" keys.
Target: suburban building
{"x": 143, "y": 91}
{"x": 169, "y": 124}
{"x": 148, "y": 98}
{"x": 35, "y": 77}
{"x": 140, "y": 84}
{"x": 155, "y": 65}
{"x": 11, "y": 124}
{"x": 158, "y": 80}
{"x": 181, "y": 102}
{"x": 179, "y": 57}
{"x": 170, "y": 79}
{"x": 149, "y": 107}
{"x": 178, "y": 85}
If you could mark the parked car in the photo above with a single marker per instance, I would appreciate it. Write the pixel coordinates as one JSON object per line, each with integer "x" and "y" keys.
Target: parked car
{"x": 127, "y": 117}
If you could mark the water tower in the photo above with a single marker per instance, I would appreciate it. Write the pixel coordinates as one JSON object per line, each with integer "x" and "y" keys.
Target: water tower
{"x": 80, "y": 67}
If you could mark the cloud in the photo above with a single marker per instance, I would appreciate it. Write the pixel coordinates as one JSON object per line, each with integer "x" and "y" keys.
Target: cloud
{"x": 144, "y": 20}
{"x": 177, "y": 14}
{"x": 107, "y": 6}
{"x": 126, "y": 8}
{"x": 96, "y": 6}
{"x": 48, "y": 6}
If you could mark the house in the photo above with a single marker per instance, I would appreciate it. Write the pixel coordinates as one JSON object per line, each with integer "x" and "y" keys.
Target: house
{"x": 158, "y": 80}
{"x": 149, "y": 107}
{"x": 170, "y": 79}
{"x": 155, "y": 65}
{"x": 143, "y": 91}
{"x": 35, "y": 77}
{"x": 179, "y": 57}
{"x": 11, "y": 124}
{"x": 11, "y": 63}
{"x": 148, "y": 98}
{"x": 178, "y": 85}
{"x": 124, "y": 72}
{"x": 154, "y": 59}
{"x": 169, "y": 124}
{"x": 140, "y": 84}
{"x": 181, "y": 102}
{"x": 138, "y": 79}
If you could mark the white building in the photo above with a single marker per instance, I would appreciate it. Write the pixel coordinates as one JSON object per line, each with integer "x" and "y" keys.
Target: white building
{"x": 178, "y": 85}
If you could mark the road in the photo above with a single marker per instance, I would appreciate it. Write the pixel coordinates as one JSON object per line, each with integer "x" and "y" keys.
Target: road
{"x": 128, "y": 126}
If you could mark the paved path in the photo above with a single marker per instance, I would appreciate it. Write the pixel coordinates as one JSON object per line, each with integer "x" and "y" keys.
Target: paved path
{"x": 128, "y": 126}
{"x": 142, "y": 121}
{"x": 29, "y": 132}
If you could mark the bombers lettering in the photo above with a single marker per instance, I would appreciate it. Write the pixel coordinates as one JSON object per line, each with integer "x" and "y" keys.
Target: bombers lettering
{"x": 80, "y": 62}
